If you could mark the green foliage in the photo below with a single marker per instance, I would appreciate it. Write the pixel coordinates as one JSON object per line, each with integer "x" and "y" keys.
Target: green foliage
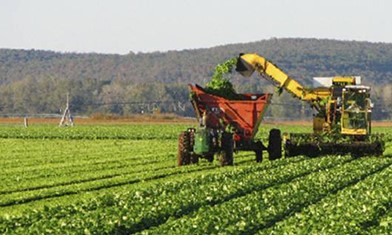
{"x": 91, "y": 132}
{"x": 221, "y": 86}
{"x": 352, "y": 210}
{"x": 333, "y": 138}
{"x": 34, "y": 81}
{"x": 118, "y": 183}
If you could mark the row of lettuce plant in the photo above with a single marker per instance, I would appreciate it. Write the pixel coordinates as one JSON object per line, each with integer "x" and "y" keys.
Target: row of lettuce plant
{"x": 131, "y": 131}
{"x": 137, "y": 210}
{"x": 263, "y": 208}
{"x": 157, "y": 171}
{"x": 354, "y": 210}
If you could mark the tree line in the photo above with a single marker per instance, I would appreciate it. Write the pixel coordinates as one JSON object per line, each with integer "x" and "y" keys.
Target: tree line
{"x": 35, "y": 82}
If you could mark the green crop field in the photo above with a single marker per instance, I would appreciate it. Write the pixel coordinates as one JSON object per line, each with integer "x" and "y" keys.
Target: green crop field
{"x": 123, "y": 179}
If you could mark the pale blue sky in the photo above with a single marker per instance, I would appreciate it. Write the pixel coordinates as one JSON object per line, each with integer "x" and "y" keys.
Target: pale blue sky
{"x": 120, "y": 26}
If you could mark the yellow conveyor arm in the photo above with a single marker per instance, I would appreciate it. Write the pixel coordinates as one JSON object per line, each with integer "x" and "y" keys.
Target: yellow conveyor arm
{"x": 248, "y": 63}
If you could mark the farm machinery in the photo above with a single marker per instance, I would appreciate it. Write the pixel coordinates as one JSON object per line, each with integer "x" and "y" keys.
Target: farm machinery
{"x": 342, "y": 119}
{"x": 341, "y": 123}
{"x": 226, "y": 126}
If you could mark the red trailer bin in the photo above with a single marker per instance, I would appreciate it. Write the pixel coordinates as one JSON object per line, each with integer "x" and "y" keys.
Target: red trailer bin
{"x": 226, "y": 126}
{"x": 244, "y": 114}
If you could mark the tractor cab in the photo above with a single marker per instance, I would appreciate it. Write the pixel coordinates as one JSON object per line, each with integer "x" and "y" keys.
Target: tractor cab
{"x": 356, "y": 110}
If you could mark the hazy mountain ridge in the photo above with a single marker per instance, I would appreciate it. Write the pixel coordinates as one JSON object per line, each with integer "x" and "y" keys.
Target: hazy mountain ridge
{"x": 96, "y": 78}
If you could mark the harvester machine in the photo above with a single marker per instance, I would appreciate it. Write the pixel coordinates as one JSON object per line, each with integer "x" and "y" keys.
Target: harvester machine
{"x": 342, "y": 107}
{"x": 226, "y": 126}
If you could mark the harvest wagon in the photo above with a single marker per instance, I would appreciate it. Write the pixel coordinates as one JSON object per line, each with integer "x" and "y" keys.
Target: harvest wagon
{"x": 226, "y": 126}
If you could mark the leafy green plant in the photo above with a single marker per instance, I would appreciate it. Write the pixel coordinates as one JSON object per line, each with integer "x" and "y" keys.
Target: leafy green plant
{"x": 124, "y": 180}
{"x": 353, "y": 210}
{"x": 221, "y": 86}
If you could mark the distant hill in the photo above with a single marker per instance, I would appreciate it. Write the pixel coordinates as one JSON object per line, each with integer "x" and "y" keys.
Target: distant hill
{"x": 34, "y": 81}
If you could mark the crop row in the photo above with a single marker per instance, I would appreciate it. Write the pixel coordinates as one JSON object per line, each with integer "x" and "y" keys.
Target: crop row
{"x": 103, "y": 132}
{"x": 138, "y": 210}
{"x": 178, "y": 174}
{"x": 38, "y": 154}
{"x": 110, "y": 179}
{"x": 352, "y": 211}
{"x": 98, "y": 159}
{"x": 19, "y": 175}
{"x": 34, "y": 182}
{"x": 130, "y": 131}
{"x": 383, "y": 225}
{"x": 261, "y": 209}
{"x": 133, "y": 167}
{"x": 79, "y": 161}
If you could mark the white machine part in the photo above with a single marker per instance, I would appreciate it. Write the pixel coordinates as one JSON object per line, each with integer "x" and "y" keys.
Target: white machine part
{"x": 327, "y": 81}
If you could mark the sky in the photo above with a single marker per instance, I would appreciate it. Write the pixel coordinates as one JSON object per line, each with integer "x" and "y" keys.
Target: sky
{"x": 122, "y": 26}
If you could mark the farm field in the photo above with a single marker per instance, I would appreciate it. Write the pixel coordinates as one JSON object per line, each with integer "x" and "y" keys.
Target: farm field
{"x": 123, "y": 179}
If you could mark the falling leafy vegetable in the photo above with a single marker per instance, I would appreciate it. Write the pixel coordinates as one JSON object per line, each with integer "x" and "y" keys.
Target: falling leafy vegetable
{"x": 222, "y": 86}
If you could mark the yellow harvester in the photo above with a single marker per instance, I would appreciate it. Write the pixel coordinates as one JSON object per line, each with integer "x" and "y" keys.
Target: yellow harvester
{"x": 342, "y": 123}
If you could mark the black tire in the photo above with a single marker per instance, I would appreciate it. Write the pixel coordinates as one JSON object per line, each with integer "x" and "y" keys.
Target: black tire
{"x": 210, "y": 157}
{"x": 287, "y": 149}
{"x": 274, "y": 144}
{"x": 259, "y": 147}
{"x": 194, "y": 158}
{"x": 259, "y": 155}
{"x": 183, "y": 156}
{"x": 227, "y": 145}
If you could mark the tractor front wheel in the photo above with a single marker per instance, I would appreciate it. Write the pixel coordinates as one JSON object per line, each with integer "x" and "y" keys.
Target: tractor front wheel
{"x": 227, "y": 145}
{"x": 274, "y": 144}
{"x": 258, "y": 148}
{"x": 184, "y": 155}
{"x": 210, "y": 157}
{"x": 259, "y": 155}
{"x": 194, "y": 158}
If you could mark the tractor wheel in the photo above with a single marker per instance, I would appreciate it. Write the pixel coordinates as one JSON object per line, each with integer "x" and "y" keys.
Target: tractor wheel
{"x": 183, "y": 156}
{"x": 287, "y": 149}
{"x": 226, "y": 155}
{"x": 210, "y": 157}
{"x": 259, "y": 147}
{"x": 194, "y": 158}
{"x": 275, "y": 144}
{"x": 259, "y": 155}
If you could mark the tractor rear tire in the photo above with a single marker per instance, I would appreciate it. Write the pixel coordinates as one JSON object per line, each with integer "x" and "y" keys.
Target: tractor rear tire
{"x": 259, "y": 155}
{"x": 227, "y": 145}
{"x": 274, "y": 144}
{"x": 210, "y": 157}
{"x": 259, "y": 147}
{"x": 184, "y": 155}
{"x": 194, "y": 158}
